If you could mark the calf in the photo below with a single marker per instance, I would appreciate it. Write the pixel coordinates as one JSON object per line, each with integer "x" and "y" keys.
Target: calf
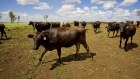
{"x": 96, "y": 25}
{"x": 56, "y": 38}
{"x": 127, "y": 30}
{"x": 2, "y": 27}
{"x": 113, "y": 26}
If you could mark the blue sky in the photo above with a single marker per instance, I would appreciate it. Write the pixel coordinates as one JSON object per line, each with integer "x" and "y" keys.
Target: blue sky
{"x": 70, "y": 10}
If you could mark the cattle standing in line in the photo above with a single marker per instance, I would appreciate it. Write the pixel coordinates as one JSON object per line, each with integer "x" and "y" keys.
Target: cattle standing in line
{"x": 56, "y": 38}
{"x": 2, "y": 27}
{"x": 137, "y": 23}
{"x": 113, "y": 26}
{"x": 76, "y": 23}
{"x": 65, "y": 24}
{"x": 83, "y": 24}
{"x": 40, "y": 26}
{"x": 126, "y": 30}
{"x": 96, "y": 25}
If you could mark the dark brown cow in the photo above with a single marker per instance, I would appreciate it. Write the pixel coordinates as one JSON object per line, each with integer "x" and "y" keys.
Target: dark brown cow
{"x": 83, "y": 24}
{"x": 130, "y": 22}
{"x": 96, "y": 25}
{"x": 33, "y": 24}
{"x": 64, "y": 24}
{"x": 126, "y": 30}
{"x": 2, "y": 30}
{"x": 138, "y": 23}
{"x": 76, "y": 23}
{"x": 67, "y": 25}
{"x": 113, "y": 26}
{"x": 46, "y": 25}
{"x": 56, "y": 38}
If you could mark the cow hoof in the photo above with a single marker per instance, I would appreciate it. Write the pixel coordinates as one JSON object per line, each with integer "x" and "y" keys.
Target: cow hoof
{"x": 119, "y": 46}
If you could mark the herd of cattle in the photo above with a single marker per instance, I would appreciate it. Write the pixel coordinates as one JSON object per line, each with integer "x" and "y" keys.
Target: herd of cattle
{"x": 54, "y": 35}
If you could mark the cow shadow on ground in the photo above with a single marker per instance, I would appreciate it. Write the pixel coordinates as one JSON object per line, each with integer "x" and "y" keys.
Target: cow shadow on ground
{"x": 114, "y": 36}
{"x": 8, "y": 38}
{"x": 131, "y": 46}
{"x": 69, "y": 58}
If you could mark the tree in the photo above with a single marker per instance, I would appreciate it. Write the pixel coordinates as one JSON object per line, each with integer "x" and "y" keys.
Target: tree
{"x": 46, "y": 17}
{"x": 18, "y": 18}
{"x": 12, "y": 16}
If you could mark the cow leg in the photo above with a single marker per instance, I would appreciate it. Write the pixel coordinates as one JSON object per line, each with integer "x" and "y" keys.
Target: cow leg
{"x": 117, "y": 32}
{"x": 126, "y": 43}
{"x": 113, "y": 33}
{"x": 95, "y": 30}
{"x": 1, "y": 34}
{"x": 77, "y": 48}
{"x": 86, "y": 47}
{"x": 5, "y": 34}
{"x": 131, "y": 40}
{"x": 59, "y": 54}
{"x": 120, "y": 41}
{"x": 40, "y": 59}
{"x": 108, "y": 33}
{"x": 137, "y": 24}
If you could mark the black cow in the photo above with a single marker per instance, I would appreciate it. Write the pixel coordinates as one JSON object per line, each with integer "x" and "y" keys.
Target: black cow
{"x": 83, "y": 24}
{"x": 126, "y": 30}
{"x": 33, "y": 24}
{"x": 40, "y": 26}
{"x": 138, "y": 23}
{"x": 64, "y": 24}
{"x": 96, "y": 25}
{"x": 76, "y": 23}
{"x": 56, "y": 38}
{"x": 113, "y": 26}
{"x": 2, "y": 27}
{"x": 130, "y": 22}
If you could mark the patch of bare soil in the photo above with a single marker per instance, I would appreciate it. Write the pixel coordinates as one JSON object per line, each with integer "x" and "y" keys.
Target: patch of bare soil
{"x": 19, "y": 61}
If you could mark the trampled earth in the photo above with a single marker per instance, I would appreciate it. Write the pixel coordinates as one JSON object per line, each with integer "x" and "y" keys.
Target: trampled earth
{"x": 19, "y": 61}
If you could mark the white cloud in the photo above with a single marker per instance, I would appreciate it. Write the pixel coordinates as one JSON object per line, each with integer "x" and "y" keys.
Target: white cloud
{"x": 128, "y": 2}
{"x": 107, "y": 4}
{"x": 24, "y": 2}
{"x": 135, "y": 12}
{"x": 121, "y": 12}
{"x": 42, "y": 6}
{"x": 94, "y": 8}
{"x": 72, "y": 1}
{"x": 66, "y": 9}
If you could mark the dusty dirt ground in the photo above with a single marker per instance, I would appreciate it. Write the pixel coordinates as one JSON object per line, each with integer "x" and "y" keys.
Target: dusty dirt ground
{"x": 19, "y": 61}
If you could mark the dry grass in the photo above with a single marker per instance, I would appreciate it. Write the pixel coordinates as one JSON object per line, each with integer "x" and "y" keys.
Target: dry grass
{"x": 19, "y": 61}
